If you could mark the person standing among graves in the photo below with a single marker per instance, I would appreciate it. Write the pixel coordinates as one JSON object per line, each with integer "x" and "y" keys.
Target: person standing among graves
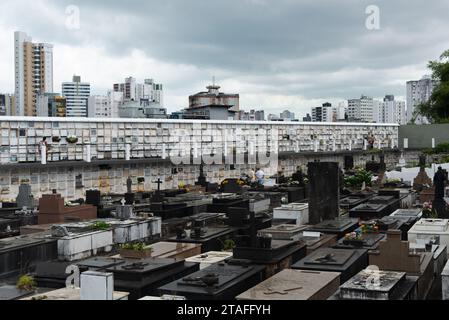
{"x": 42, "y": 144}
{"x": 260, "y": 176}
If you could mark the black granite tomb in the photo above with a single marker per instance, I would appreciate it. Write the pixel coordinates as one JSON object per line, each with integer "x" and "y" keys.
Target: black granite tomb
{"x": 222, "y": 281}
{"x": 348, "y": 262}
{"x": 377, "y": 207}
{"x": 369, "y": 241}
{"x": 340, "y": 226}
{"x": 142, "y": 277}
{"x": 324, "y": 191}
{"x": 221, "y": 203}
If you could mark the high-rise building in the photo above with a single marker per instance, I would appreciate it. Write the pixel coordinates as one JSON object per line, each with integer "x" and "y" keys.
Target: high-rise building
{"x": 51, "y": 105}
{"x": 418, "y": 92}
{"x": 77, "y": 94}
{"x": 7, "y": 105}
{"x": 33, "y": 72}
{"x": 362, "y": 110}
{"x": 287, "y": 116}
{"x": 133, "y": 91}
{"x": 325, "y": 113}
{"x": 390, "y": 111}
{"x": 105, "y": 106}
{"x": 252, "y": 115}
{"x": 213, "y": 96}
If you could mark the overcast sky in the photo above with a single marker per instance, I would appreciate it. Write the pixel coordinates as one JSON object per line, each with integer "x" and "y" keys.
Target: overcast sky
{"x": 278, "y": 54}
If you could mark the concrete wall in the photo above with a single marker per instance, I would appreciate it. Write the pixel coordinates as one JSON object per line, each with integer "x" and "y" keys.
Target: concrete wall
{"x": 420, "y": 136}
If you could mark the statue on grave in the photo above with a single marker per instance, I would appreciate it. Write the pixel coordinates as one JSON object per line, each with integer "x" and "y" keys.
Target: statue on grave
{"x": 439, "y": 182}
{"x": 129, "y": 184}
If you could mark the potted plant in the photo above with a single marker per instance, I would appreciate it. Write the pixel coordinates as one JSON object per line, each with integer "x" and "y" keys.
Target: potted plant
{"x": 26, "y": 283}
{"x": 135, "y": 251}
{"x": 72, "y": 139}
{"x": 228, "y": 245}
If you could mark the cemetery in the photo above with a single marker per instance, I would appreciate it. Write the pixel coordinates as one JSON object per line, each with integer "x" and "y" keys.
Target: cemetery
{"x": 126, "y": 224}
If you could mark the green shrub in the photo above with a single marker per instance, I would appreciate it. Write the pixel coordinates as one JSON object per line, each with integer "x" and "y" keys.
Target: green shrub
{"x": 100, "y": 226}
{"x": 27, "y": 283}
{"x": 357, "y": 180}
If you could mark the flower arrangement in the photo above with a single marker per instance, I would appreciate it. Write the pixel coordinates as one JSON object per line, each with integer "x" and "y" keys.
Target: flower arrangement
{"x": 27, "y": 283}
{"x": 369, "y": 227}
{"x": 429, "y": 212}
{"x": 354, "y": 236}
{"x": 72, "y": 139}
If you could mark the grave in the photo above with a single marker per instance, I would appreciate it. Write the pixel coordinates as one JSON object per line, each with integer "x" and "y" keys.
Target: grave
{"x": 175, "y": 250}
{"x": 25, "y": 197}
{"x": 53, "y": 210}
{"x": 9, "y": 228}
{"x": 284, "y": 232}
{"x": 222, "y": 202}
{"x": 402, "y": 223}
{"x": 204, "y": 219}
{"x": 22, "y": 253}
{"x": 376, "y": 167}
{"x": 295, "y": 285}
{"x": 324, "y": 191}
{"x": 346, "y": 261}
{"x": 388, "y": 285}
{"x": 78, "y": 241}
{"x": 317, "y": 240}
{"x": 257, "y": 202}
{"x": 71, "y": 294}
{"x": 221, "y": 281}
{"x": 135, "y": 229}
{"x": 422, "y": 180}
{"x": 209, "y": 258}
{"x": 377, "y": 207}
{"x": 210, "y": 238}
{"x": 276, "y": 255}
{"x": 27, "y": 217}
{"x": 143, "y": 277}
{"x": 8, "y": 292}
{"x": 340, "y": 227}
{"x": 394, "y": 254}
{"x": 276, "y": 197}
{"x": 415, "y": 214}
{"x": 355, "y": 199}
{"x": 297, "y": 212}
{"x": 435, "y": 231}
{"x": 362, "y": 240}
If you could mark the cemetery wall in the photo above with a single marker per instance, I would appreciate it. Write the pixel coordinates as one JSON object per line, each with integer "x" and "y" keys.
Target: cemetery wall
{"x": 420, "y": 136}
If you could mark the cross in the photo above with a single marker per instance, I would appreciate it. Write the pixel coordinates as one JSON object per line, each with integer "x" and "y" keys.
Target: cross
{"x": 123, "y": 202}
{"x": 159, "y": 182}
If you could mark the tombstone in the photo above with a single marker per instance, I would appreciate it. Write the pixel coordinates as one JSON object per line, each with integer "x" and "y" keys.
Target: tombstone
{"x": 284, "y": 232}
{"x": 298, "y": 177}
{"x": 295, "y": 285}
{"x": 378, "y": 285}
{"x": 362, "y": 240}
{"x": 124, "y": 211}
{"x": 97, "y": 286}
{"x": 25, "y": 198}
{"x": 317, "y": 240}
{"x": 394, "y": 254}
{"x": 143, "y": 277}
{"x": 93, "y": 197}
{"x": 422, "y": 179}
{"x": 339, "y": 227}
{"x": 295, "y": 212}
{"x": 221, "y": 281}
{"x": 433, "y": 231}
{"x": 52, "y": 209}
{"x": 346, "y": 261}
{"x": 202, "y": 181}
{"x": 324, "y": 193}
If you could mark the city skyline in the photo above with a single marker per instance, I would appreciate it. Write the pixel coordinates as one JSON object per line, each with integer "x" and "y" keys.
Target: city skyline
{"x": 297, "y": 79}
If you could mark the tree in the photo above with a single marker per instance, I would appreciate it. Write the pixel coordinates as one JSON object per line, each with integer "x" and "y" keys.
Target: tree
{"x": 437, "y": 108}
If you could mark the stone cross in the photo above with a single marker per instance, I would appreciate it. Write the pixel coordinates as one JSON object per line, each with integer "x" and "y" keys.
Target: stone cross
{"x": 123, "y": 202}
{"x": 159, "y": 182}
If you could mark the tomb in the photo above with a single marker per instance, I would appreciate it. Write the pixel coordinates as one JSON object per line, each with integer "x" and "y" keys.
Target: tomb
{"x": 346, "y": 261}
{"x": 416, "y": 214}
{"x": 360, "y": 239}
{"x": 394, "y": 254}
{"x": 401, "y": 223}
{"x": 19, "y": 254}
{"x": 340, "y": 227}
{"x": 8, "y": 292}
{"x": 258, "y": 203}
{"x": 377, "y": 207}
{"x": 295, "y": 285}
{"x": 221, "y": 281}
{"x": 317, "y": 240}
{"x": 71, "y": 294}
{"x": 142, "y": 277}
{"x": 276, "y": 197}
{"x": 209, "y": 258}
{"x": 422, "y": 180}
{"x": 175, "y": 250}
{"x": 222, "y": 202}
{"x": 53, "y": 210}
{"x": 204, "y": 220}
{"x": 355, "y": 199}
{"x": 297, "y": 212}
{"x": 435, "y": 231}
{"x": 135, "y": 229}
{"x": 25, "y": 197}
{"x": 284, "y": 232}
{"x": 79, "y": 241}
{"x": 378, "y": 285}
{"x": 324, "y": 191}
{"x": 210, "y": 238}
{"x": 9, "y": 228}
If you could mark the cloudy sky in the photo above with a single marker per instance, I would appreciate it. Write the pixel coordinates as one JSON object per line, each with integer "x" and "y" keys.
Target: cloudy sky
{"x": 278, "y": 54}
